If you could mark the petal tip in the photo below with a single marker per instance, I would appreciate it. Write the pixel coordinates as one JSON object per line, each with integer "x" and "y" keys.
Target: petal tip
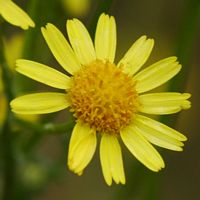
{"x": 123, "y": 181}
{"x": 151, "y": 40}
{"x": 184, "y": 138}
{"x": 179, "y": 149}
{"x": 186, "y": 95}
{"x": 173, "y": 58}
{"x": 109, "y": 183}
{"x": 43, "y": 29}
{"x": 143, "y": 37}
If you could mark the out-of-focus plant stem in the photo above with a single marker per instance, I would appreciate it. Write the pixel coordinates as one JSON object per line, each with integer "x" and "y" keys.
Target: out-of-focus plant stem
{"x": 6, "y": 134}
{"x": 185, "y": 43}
{"x": 7, "y": 79}
{"x": 30, "y": 35}
{"x": 184, "y": 50}
{"x": 41, "y": 130}
{"x": 47, "y": 128}
{"x": 9, "y": 164}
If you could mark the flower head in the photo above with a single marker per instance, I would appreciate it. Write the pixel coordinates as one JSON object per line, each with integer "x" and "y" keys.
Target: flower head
{"x": 15, "y": 15}
{"x": 106, "y": 98}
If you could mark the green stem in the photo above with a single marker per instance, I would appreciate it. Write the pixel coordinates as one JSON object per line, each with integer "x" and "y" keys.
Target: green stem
{"x": 6, "y": 134}
{"x": 184, "y": 50}
{"x": 48, "y": 128}
{"x": 41, "y": 130}
{"x": 6, "y": 73}
{"x": 186, "y": 40}
{"x": 31, "y": 34}
{"x": 8, "y": 163}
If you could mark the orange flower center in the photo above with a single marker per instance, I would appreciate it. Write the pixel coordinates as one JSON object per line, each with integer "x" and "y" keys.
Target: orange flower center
{"x": 103, "y": 97}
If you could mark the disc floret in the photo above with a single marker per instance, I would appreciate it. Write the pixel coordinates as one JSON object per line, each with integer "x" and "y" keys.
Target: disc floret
{"x": 103, "y": 96}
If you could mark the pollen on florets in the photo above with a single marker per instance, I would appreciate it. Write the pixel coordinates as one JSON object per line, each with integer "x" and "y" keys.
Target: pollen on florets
{"x": 103, "y": 96}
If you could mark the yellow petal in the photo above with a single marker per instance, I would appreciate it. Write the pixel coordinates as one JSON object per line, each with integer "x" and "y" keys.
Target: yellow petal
{"x": 60, "y": 48}
{"x": 105, "y": 38}
{"x": 141, "y": 148}
{"x": 137, "y": 55}
{"x": 156, "y": 74}
{"x": 156, "y": 137}
{"x": 81, "y": 41}
{"x": 40, "y": 103}
{"x": 15, "y": 15}
{"x": 159, "y": 127}
{"x": 81, "y": 148}
{"x": 43, "y": 74}
{"x": 111, "y": 159}
{"x": 163, "y": 103}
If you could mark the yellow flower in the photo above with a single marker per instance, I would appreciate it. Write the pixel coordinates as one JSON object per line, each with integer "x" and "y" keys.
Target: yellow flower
{"x": 15, "y": 15}
{"x": 106, "y": 98}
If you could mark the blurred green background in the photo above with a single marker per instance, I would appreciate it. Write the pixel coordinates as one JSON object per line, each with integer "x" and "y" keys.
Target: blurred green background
{"x": 39, "y": 166}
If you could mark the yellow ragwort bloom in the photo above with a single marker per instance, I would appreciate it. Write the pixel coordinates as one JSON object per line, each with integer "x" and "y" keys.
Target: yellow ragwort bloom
{"x": 105, "y": 97}
{"x": 15, "y": 15}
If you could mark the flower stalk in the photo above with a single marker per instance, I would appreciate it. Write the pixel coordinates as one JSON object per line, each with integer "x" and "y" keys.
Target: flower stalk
{"x": 6, "y": 133}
